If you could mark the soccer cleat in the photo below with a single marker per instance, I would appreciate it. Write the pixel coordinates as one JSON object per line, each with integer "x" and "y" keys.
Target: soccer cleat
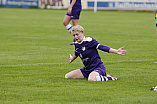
{"x": 113, "y": 78}
{"x": 116, "y": 78}
{"x": 153, "y": 89}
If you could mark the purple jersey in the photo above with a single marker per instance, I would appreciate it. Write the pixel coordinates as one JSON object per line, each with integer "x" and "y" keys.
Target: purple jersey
{"x": 77, "y": 6}
{"x": 87, "y": 51}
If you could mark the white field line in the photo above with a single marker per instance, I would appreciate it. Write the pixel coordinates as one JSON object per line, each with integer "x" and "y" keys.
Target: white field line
{"x": 73, "y": 62}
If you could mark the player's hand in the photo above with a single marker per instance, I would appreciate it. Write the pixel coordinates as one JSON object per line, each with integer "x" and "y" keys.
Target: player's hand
{"x": 121, "y": 51}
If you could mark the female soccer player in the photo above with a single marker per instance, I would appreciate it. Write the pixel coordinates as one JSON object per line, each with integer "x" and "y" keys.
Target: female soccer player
{"x": 86, "y": 49}
{"x": 72, "y": 14}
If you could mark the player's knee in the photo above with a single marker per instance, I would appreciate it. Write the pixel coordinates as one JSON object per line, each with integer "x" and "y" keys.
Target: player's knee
{"x": 65, "y": 23}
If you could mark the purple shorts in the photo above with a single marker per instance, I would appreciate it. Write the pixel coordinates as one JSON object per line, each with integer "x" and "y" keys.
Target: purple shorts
{"x": 100, "y": 69}
{"x": 74, "y": 14}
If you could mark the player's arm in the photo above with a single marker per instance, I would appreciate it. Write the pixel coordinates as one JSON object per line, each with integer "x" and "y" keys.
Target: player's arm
{"x": 72, "y": 58}
{"x": 71, "y": 5}
{"x": 111, "y": 50}
{"x": 119, "y": 51}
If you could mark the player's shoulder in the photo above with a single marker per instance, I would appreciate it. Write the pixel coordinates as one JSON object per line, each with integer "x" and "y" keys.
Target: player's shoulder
{"x": 88, "y": 39}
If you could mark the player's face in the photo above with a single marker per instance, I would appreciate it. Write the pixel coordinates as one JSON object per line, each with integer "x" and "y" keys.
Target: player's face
{"x": 78, "y": 36}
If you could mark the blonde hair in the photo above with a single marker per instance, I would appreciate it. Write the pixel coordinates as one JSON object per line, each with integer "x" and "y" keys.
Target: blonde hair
{"x": 77, "y": 28}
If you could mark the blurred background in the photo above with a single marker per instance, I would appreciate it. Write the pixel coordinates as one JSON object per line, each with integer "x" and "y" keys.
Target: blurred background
{"x": 140, "y": 5}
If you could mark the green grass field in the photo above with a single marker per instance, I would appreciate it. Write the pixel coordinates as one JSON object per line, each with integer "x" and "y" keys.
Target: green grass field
{"x": 34, "y": 54}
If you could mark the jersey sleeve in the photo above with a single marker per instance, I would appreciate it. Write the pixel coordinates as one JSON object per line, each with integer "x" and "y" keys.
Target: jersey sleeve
{"x": 103, "y": 48}
{"x": 94, "y": 43}
{"x": 76, "y": 53}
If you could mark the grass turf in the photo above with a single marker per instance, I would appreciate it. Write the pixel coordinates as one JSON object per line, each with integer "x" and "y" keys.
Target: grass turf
{"x": 34, "y": 55}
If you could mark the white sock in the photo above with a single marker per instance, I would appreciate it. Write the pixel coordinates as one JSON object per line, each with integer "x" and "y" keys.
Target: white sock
{"x": 66, "y": 76}
{"x": 69, "y": 27}
{"x": 101, "y": 78}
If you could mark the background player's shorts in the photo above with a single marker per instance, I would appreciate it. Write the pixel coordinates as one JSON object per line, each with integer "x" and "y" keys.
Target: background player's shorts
{"x": 74, "y": 14}
{"x": 100, "y": 69}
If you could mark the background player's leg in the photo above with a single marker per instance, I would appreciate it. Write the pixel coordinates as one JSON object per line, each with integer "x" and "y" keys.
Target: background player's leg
{"x": 75, "y": 22}
{"x": 66, "y": 23}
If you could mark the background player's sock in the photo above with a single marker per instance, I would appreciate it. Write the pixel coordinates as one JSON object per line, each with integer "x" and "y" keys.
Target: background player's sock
{"x": 69, "y": 27}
